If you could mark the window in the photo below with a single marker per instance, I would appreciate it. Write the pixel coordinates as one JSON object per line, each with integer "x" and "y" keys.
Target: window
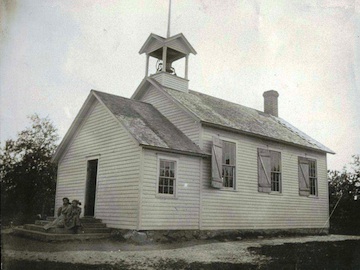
{"x": 228, "y": 164}
{"x": 223, "y": 163}
{"x": 167, "y": 177}
{"x": 307, "y": 177}
{"x": 312, "y": 177}
{"x": 269, "y": 171}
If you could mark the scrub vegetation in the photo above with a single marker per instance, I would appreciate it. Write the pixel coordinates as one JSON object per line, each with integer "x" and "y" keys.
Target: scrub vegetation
{"x": 344, "y": 198}
{"x": 28, "y": 177}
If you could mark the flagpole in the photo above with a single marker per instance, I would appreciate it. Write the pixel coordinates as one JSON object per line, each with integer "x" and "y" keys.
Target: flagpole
{"x": 168, "y": 29}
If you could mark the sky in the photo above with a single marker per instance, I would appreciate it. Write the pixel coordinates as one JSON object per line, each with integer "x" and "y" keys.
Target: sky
{"x": 52, "y": 53}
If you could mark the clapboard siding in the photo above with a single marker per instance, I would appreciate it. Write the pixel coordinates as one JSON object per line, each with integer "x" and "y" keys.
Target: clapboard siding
{"x": 118, "y": 169}
{"x": 246, "y": 208}
{"x": 182, "y": 212}
{"x": 171, "y": 111}
{"x": 172, "y": 81}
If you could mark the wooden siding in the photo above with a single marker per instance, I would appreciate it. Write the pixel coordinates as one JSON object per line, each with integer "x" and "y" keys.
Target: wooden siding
{"x": 102, "y": 136}
{"x": 246, "y": 208}
{"x": 172, "y": 81}
{"x": 171, "y": 111}
{"x": 182, "y": 212}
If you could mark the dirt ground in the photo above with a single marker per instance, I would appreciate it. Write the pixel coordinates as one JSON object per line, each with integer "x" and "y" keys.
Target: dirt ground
{"x": 310, "y": 252}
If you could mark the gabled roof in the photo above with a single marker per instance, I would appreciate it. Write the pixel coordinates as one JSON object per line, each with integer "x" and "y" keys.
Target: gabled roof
{"x": 147, "y": 125}
{"x": 217, "y": 112}
{"x": 161, "y": 41}
{"x": 144, "y": 123}
{"x": 228, "y": 115}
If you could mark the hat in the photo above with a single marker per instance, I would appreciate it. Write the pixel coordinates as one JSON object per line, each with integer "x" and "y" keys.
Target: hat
{"x": 66, "y": 198}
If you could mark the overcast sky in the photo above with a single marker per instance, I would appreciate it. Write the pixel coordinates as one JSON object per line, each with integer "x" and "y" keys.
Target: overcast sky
{"x": 52, "y": 53}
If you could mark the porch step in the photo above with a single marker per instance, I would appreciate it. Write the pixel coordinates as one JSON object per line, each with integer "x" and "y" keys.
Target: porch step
{"x": 39, "y": 228}
{"x": 93, "y": 225}
{"x": 87, "y": 224}
{"x": 90, "y": 220}
{"x": 92, "y": 228}
{"x": 44, "y": 236}
{"x": 83, "y": 219}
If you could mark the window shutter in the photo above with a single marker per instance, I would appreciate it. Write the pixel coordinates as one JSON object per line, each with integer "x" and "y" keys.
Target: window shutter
{"x": 216, "y": 163}
{"x": 304, "y": 183}
{"x": 264, "y": 170}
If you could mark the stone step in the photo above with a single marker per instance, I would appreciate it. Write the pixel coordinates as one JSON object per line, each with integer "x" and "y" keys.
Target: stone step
{"x": 83, "y": 220}
{"x": 87, "y": 230}
{"x": 43, "y": 236}
{"x": 84, "y": 224}
{"x": 41, "y": 222}
{"x": 93, "y": 225}
{"x": 90, "y": 220}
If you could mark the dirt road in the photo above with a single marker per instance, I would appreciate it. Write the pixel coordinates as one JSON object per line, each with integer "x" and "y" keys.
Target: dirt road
{"x": 225, "y": 254}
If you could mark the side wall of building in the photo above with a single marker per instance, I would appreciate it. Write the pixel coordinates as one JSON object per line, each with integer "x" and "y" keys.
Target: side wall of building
{"x": 102, "y": 137}
{"x": 159, "y": 212}
{"x": 172, "y": 112}
{"x": 245, "y": 207}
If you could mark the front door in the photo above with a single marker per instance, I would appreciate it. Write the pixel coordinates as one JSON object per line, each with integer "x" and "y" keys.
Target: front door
{"x": 92, "y": 167}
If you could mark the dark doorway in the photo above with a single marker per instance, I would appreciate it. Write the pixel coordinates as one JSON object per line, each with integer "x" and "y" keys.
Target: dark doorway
{"x": 92, "y": 167}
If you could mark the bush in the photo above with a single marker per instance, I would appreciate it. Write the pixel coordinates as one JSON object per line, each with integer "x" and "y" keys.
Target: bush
{"x": 344, "y": 199}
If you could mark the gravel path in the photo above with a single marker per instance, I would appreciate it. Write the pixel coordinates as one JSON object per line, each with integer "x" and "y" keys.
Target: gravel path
{"x": 145, "y": 257}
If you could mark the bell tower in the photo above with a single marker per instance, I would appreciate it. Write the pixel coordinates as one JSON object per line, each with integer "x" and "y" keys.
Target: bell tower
{"x": 167, "y": 51}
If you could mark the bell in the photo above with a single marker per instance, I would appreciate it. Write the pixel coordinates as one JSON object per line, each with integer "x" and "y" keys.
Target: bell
{"x": 169, "y": 69}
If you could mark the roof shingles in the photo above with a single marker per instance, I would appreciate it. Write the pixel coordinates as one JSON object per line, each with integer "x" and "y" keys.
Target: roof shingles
{"x": 147, "y": 125}
{"x": 223, "y": 113}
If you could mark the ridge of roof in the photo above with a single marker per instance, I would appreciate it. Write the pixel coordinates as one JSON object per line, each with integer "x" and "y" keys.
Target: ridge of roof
{"x": 223, "y": 100}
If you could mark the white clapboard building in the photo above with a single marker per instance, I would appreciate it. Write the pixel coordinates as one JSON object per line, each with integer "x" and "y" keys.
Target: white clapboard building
{"x": 170, "y": 158}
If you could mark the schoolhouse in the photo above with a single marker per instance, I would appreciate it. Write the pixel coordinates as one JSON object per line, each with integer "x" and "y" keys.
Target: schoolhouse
{"x": 170, "y": 158}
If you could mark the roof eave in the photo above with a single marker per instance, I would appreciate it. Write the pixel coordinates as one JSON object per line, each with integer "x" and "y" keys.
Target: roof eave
{"x": 139, "y": 90}
{"x": 176, "y": 151}
{"x": 329, "y": 151}
{"x": 151, "y": 36}
{"x": 182, "y": 37}
{"x": 163, "y": 41}
{"x": 73, "y": 128}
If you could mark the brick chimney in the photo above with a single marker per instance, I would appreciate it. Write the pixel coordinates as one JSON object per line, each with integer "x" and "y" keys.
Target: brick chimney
{"x": 271, "y": 102}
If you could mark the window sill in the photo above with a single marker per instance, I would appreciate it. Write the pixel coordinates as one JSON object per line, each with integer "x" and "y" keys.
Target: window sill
{"x": 278, "y": 193}
{"x": 228, "y": 189}
{"x": 166, "y": 197}
{"x": 313, "y": 196}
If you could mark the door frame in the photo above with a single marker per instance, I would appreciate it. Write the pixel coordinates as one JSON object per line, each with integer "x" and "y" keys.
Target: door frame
{"x": 87, "y": 159}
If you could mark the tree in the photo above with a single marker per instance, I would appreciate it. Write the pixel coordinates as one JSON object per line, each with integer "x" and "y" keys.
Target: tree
{"x": 344, "y": 198}
{"x": 28, "y": 177}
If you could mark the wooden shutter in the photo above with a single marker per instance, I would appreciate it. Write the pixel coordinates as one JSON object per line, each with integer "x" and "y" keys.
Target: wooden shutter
{"x": 304, "y": 183}
{"x": 216, "y": 163}
{"x": 264, "y": 170}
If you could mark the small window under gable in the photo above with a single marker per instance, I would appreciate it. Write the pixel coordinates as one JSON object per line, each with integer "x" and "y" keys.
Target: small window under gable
{"x": 223, "y": 163}
{"x": 269, "y": 171}
{"x": 307, "y": 177}
{"x": 167, "y": 177}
